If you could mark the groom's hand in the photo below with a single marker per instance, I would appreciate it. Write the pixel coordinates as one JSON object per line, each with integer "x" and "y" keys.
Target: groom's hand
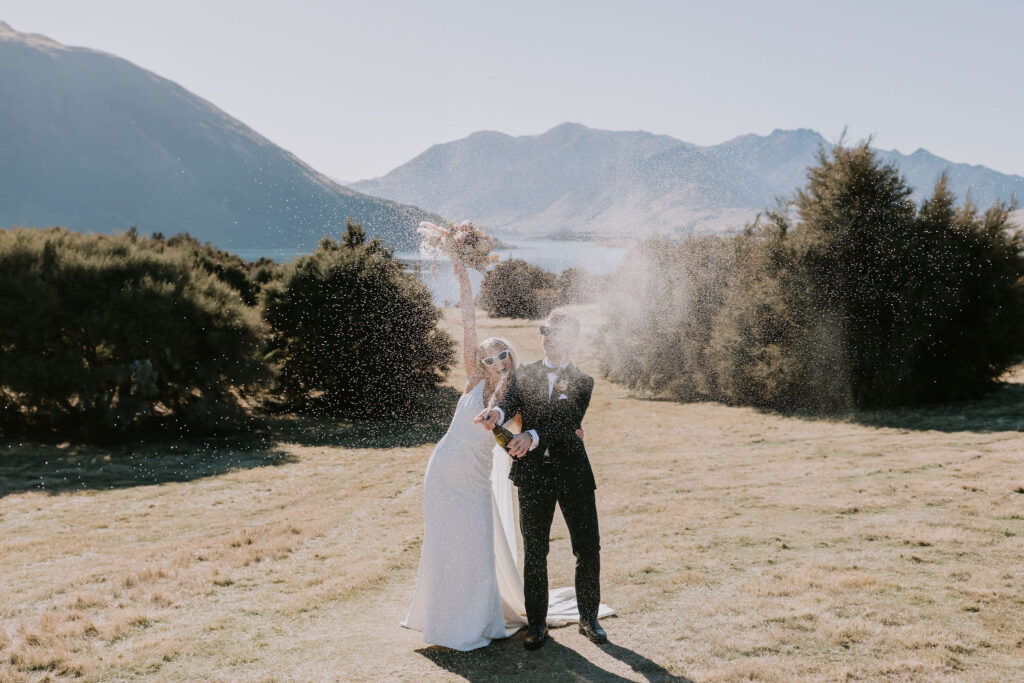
{"x": 488, "y": 418}
{"x": 520, "y": 445}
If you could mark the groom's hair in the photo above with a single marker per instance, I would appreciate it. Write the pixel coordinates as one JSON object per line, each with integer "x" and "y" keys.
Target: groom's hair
{"x": 566, "y": 320}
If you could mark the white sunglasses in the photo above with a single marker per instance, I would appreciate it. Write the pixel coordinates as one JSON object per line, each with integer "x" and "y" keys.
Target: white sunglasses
{"x": 491, "y": 360}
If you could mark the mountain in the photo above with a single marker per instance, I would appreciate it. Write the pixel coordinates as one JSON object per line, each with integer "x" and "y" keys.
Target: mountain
{"x": 94, "y": 143}
{"x": 574, "y": 179}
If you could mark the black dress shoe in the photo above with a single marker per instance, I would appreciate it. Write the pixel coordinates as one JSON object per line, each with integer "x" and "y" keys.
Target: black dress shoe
{"x": 593, "y": 631}
{"x": 535, "y": 637}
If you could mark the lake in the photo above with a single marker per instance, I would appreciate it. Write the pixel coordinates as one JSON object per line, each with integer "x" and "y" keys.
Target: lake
{"x": 551, "y": 255}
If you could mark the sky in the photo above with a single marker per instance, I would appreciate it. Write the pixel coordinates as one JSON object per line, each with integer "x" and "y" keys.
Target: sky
{"x": 358, "y": 88}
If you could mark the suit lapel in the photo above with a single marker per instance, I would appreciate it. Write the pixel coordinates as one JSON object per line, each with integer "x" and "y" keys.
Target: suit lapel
{"x": 545, "y": 397}
{"x": 545, "y": 401}
{"x": 540, "y": 386}
{"x": 567, "y": 376}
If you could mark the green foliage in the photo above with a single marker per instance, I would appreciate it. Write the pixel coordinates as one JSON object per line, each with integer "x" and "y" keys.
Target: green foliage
{"x": 244, "y": 277}
{"x": 352, "y": 332}
{"x": 659, "y": 314}
{"x": 354, "y": 235}
{"x": 928, "y": 301}
{"x": 965, "y": 317}
{"x": 576, "y": 286}
{"x": 517, "y": 289}
{"x": 861, "y": 300}
{"x": 103, "y": 335}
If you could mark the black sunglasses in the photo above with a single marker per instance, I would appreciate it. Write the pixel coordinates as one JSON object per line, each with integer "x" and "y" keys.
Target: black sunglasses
{"x": 491, "y": 360}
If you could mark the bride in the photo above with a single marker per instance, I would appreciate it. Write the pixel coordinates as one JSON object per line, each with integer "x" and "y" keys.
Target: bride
{"x": 468, "y": 588}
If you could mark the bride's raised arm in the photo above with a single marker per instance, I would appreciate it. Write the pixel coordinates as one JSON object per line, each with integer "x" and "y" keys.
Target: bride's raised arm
{"x": 470, "y": 342}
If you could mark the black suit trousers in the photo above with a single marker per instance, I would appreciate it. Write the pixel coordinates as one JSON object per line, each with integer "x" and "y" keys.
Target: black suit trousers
{"x": 579, "y": 509}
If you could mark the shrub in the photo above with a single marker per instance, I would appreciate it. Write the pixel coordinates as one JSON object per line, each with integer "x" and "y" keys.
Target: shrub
{"x": 861, "y": 300}
{"x": 659, "y": 315}
{"x": 245, "y": 277}
{"x": 353, "y": 333}
{"x": 517, "y": 289}
{"x": 576, "y": 286}
{"x": 102, "y": 335}
{"x": 769, "y": 344}
{"x": 928, "y": 302}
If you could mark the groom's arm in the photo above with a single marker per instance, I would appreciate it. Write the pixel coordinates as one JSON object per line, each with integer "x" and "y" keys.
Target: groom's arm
{"x": 568, "y": 426}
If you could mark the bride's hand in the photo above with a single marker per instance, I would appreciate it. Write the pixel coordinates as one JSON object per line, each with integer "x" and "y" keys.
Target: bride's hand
{"x": 488, "y": 418}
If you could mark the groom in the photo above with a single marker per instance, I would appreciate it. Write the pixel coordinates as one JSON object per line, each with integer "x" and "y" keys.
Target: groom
{"x": 550, "y": 467}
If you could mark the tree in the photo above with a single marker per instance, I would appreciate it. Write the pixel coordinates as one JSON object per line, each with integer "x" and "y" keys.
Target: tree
{"x": 354, "y": 235}
{"x": 102, "y": 336}
{"x": 926, "y": 303}
{"x": 860, "y": 300}
{"x": 352, "y": 333}
{"x": 576, "y": 286}
{"x": 517, "y": 289}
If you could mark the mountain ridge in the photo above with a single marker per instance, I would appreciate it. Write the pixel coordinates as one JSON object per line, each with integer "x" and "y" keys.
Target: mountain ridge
{"x": 575, "y": 179}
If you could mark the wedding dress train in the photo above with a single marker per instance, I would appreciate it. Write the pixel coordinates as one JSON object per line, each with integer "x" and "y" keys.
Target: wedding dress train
{"x": 468, "y": 588}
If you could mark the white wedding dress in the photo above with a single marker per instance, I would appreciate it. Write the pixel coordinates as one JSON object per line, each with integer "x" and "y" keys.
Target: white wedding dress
{"x": 468, "y": 588}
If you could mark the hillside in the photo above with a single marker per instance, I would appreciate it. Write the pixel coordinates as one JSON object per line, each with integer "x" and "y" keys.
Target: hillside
{"x": 94, "y": 143}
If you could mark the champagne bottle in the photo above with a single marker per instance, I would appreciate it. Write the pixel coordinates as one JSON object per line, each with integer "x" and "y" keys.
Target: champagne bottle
{"x": 502, "y": 436}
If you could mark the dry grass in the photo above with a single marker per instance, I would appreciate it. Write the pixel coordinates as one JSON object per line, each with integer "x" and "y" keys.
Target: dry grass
{"x": 737, "y": 545}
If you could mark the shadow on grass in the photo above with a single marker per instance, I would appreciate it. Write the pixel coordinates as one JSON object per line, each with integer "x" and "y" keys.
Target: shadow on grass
{"x": 1000, "y": 410}
{"x": 426, "y": 424}
{"x": 503, "y": 659}
{"x": 57, "y": 469}
{"x": 39, "y": 466}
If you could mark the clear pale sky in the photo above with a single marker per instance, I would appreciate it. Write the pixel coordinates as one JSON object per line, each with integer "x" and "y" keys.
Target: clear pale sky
{"x": 357, "y": 88}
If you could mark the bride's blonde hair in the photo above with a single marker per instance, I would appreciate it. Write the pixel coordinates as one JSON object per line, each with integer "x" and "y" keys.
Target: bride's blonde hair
{"x": 517, "y": 420}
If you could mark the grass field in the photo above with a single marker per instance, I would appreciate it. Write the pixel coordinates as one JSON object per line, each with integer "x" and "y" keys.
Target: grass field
{"x": 736, "y": 545}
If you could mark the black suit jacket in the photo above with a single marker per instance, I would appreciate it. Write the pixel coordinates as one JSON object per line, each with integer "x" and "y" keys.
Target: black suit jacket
{"x": 556, "y": 421}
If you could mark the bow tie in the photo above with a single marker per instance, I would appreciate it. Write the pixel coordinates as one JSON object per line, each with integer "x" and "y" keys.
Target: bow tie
{"x": 560, "y": 385}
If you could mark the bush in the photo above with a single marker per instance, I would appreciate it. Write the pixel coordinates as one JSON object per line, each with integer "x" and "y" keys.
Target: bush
{"x": 352, "y": 333}
{"x": 576, "y": 286}
{"x": 659, "y": 313}
{"x": 247, "y": 278}
{"x": 861, "y": 300}
{"x": 769, "y": 345}
{"x": 517, "y": 289}
{"x": 103, "y": 335}
{"x": 929, "y": 302}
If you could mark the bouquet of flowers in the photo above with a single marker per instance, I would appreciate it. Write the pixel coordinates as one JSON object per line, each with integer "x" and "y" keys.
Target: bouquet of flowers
{"x": 463, "y": 242}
